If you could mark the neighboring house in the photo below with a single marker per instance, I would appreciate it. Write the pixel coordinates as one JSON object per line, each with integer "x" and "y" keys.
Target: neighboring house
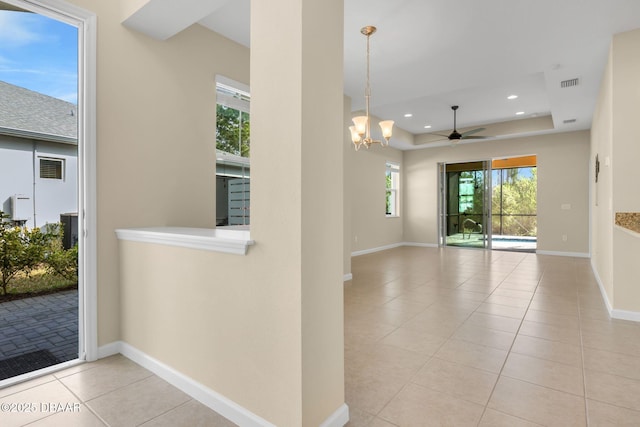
{"x": 232, "y": 189}
{"x": 38, "y": 156}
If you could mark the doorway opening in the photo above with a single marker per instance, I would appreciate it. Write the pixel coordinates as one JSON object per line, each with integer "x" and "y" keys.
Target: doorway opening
{"x": 489, "y": 204}
{"x": 47, "y": 187}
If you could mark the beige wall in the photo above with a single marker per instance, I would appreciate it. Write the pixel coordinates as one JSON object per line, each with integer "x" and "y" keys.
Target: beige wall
{"x": 233, "y": 323}
{"x": 602, "y": 192}
{"x": 155, "y": 135}
{"x": 615, "y": 137}
{"x": 346, "y": 185}
{"x": 370, "y": 227}
{"x": 563, "y": 173}
{"x": 365, "y": 169}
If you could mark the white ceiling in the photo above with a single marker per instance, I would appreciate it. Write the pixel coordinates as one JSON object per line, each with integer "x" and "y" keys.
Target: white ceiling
{"x": 428, "y": 55}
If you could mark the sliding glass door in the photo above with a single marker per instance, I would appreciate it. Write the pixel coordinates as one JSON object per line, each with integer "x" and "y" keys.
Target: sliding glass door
{"x": 465, "y": 204}
{"x": 489, "y": 204}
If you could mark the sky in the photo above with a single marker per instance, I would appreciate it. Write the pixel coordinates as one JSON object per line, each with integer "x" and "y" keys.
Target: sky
{"x": 40, "y": 54}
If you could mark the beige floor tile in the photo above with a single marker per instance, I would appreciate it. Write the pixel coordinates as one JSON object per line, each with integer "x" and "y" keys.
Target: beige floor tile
{"x": 546, "y": 373}
{"x": 608, "y": 342}
{"x": 550, "y": 350}
{"x": 619, "y": 328}
{"x": 387, "y": 316}
{"x": 612, "y": 363}
{"x": 83, "y": 417}
{"x": 137, "y": 403}
{"x": 379, "y": 422}
{"x": 538, "y": 404}
{"x": 619, "y": 391}
{"x": 555, "y": 306}
{"x": 512, "y": 293}
{"x": 418, "y": 406}
{"x": 16, "y": 388}
{"x": 508, "y": 301}
{"x": 392, "y": 364}
{"x": 190, "y": 414}
{"x": 484, "y": 336}
{"x": 493, "y": 418}
{"x": 359, "y": 418}
{"x": 434, "y": 324}
{"x": 370, "y": 395}
{"x": 457, "y": 380}
{"x": 109, "y": 375}
{"x": 75, "y": 369}
{"x": 594, "y": 313}
{"x": 416, "y": 341}
{"x": 25, "y": 406}
{"x": 519, "y": 285}
{"x": 550, "y": 332}
{"x": 605, "y": 415}
{"x": 502, "y": 310}
{"x": 473, "y": 355}
{"x": 499, "y": 323}
{"x": 555, "y": 319}
{"x": 367, "y": 329}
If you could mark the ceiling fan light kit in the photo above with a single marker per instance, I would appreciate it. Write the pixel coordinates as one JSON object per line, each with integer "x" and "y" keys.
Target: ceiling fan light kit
{"x": 361, "y": 131}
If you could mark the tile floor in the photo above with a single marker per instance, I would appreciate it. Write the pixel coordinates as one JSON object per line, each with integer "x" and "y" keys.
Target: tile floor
{"x": 433, "y": 337}
{"x": 460, "y": 337}
{"x": 110, "y": 392}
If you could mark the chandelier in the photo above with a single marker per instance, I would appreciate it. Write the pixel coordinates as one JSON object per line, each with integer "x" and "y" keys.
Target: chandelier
{"x": 360, "y": 131}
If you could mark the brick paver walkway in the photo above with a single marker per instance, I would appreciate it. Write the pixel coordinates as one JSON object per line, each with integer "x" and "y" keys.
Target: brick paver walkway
{"x": 48, "y": 322}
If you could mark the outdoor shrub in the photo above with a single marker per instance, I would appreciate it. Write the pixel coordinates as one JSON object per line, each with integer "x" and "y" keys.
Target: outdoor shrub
{"x": 21, "y": 249}
{"x": 63, "y": 262}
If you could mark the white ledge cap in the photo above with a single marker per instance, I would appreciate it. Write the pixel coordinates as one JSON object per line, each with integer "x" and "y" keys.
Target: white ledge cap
{"x": 229, "y": 240}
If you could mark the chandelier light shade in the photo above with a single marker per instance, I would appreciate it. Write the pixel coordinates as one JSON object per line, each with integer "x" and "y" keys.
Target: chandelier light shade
{"x": 361, "y": 131}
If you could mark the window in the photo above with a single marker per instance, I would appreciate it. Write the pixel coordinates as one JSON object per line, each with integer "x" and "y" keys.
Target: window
{"x": 232, "y": 152}
{"x": 393, "y": 189}
{"x": 51, "y": 168}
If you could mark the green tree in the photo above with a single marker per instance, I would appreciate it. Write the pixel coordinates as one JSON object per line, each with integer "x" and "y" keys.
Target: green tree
{"x": 232, "y": 131}
{"x": 515, "y": 203}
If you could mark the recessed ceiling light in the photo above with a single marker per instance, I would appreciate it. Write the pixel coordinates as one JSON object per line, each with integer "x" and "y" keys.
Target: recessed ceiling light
{"x": 408, "y": 115}
{"x": 519, "y": 113}
{"x": 427, "y": 126}
{"x": 512, "y": 96}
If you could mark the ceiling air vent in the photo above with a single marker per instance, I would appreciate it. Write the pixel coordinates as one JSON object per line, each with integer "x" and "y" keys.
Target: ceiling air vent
{"x": 566, "y": 122}
{"x": 569, "y": 83}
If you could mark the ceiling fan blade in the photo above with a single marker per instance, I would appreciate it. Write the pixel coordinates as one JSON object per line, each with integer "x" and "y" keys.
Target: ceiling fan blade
{"x": 440, "y": 134}
{"x": 432, "y": 141}
{"x": 475, "y": 137}
{"x": 472, "y": 131}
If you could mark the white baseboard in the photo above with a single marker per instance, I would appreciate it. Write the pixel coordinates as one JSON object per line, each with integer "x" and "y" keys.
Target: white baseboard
{"x": 347, "y": 277}
{"x": 569, "y": 254}
{"x": 378, "y": 249}
{"x": 420, "y": 245}
{"x": 633, "y": 316}
{"x": 208, "y": 397}
{"x": 109, "y": 349}
{"x": 339, "y": 418}
{"x": 217, "y": 402}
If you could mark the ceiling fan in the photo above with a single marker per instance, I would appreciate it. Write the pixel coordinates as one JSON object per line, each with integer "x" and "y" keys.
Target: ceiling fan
{"x": 456, "y": 136}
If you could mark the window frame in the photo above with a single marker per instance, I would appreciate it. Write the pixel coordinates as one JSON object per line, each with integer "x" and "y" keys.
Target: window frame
{"x": 60, "y": 161}
{"x": 392, "y": 169}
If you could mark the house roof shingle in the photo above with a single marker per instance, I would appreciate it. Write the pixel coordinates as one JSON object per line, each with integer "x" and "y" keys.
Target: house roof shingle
{"x": 27, "y": 113}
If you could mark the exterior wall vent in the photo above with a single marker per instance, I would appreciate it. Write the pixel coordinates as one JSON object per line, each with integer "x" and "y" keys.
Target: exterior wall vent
{"x": 569, "y": 83}
{"x": 566, "y": 122}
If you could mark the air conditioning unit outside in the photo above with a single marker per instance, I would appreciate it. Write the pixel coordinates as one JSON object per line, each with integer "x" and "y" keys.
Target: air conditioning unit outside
{"x": 21, "y": 207}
